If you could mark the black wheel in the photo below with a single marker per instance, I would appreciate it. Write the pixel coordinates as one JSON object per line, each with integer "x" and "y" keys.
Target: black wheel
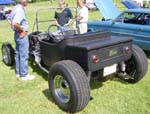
{"x": 8, "y": 54}
{"x": 137, "y": 66}
{"x": 69, "y": 86}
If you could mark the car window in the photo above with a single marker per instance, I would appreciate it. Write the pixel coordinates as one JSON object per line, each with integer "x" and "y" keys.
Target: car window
{"x": 134, "y": 18}
{"x": 120, "y": 18}
{"x": 130, "y": 15}
{"x": 146, "y": 18}
{"x": 126, "y": 16}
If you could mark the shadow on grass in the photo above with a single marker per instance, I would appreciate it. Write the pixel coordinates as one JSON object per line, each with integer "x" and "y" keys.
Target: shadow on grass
{"x": 95, "y": 84}
{"x": 36, "y": 69}
{"x": 48, "y": 95}
{"x": 114, "y": 77}
{"x": 117, "y": 79}
{"x": 11, "y": 67}
{"x": 148, "y": 55}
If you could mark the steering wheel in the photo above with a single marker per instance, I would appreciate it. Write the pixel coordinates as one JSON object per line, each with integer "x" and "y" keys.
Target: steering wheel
{"x": 55, "y": 36}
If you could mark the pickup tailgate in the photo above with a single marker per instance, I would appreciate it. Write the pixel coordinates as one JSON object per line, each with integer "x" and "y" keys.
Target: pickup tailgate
{"x": 109, "y": 51}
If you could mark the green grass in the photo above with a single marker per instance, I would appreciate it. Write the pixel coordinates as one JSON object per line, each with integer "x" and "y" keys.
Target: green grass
{"x": 111, "y": 97}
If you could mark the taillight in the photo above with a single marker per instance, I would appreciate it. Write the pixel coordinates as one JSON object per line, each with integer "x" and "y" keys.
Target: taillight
{"x": 127, "y": 50}
{"x": 95, "y": 59}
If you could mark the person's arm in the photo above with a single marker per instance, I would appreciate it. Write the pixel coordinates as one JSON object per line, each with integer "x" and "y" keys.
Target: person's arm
{"x": 22, "y": 33}
{"x": 18, "y": 17}
{"x": 56, "y": 22}
{"x": 79, "y": 16}
{"x": 70, "y": 17}
{"x": 70, "y": 20}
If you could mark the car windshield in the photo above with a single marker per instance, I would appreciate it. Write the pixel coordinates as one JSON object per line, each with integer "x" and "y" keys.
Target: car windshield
{"x": 134, "y": 18}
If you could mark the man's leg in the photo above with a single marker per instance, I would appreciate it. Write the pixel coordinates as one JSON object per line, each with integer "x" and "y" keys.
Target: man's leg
{"x": 23, "y": 53}
{"x": 17, "y": 61}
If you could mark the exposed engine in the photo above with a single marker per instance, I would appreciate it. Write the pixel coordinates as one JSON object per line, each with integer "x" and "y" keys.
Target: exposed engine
{"x": 34, "y": 41}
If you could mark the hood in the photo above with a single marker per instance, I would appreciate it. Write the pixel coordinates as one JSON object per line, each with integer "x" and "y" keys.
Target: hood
{"x": 6, "y": 2}
{"x": 107, "y": 8}
{"x": 130, "y": 4}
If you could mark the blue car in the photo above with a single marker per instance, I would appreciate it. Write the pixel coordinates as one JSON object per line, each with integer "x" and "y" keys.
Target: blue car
{"x": 131, "y": 22}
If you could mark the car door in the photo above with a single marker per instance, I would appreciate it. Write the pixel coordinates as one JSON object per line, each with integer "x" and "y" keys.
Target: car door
{"x": 122, "y": 27}
{"x": 133, "y": 27}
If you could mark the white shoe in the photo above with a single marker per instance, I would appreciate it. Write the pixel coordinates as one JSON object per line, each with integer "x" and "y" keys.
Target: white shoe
{"x": 28, "y": 77}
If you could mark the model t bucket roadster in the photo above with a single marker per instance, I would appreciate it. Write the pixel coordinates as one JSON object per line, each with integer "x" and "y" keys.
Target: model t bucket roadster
{"x": 72, "y": 60}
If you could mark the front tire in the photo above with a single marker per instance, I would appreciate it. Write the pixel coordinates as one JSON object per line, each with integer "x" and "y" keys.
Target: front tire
{"x": 69, "y": 86}
{"x": 137, "y": 66}
{"x": 8, "y": 54}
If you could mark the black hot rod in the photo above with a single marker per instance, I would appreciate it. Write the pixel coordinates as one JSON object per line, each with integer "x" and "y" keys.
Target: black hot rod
{"x": 72, "y": 60}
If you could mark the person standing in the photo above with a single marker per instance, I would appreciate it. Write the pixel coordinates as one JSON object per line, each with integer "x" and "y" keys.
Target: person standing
{"x": 63, "y": 15}
{"x": 139, "y": 2}
{"x": 82, "y": 17}
{"x": 18, "y": 22}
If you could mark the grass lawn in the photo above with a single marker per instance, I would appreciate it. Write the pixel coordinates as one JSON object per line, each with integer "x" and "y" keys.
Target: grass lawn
{"x": 111, "y": 97}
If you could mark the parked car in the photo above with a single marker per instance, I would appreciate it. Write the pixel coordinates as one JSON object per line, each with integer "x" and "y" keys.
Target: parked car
{"x": 131, "y": 22}
{"x": 4, "y": 11}
{"x": 71, "y": 60}
{"x": 130, "y": 4}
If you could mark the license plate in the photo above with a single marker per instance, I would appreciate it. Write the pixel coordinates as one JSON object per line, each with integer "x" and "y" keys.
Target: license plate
{"x": 113, "y": 52}
{"x": 110, "y": 69}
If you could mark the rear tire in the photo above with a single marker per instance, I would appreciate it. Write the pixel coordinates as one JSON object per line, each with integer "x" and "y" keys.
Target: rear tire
{"x": 69, "y": 86}
{"x": 137, "y": 66}
{"x": 8, "y": 54}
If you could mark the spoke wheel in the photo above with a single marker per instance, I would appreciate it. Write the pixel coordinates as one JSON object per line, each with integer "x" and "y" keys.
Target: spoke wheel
{"x": 5, "y": 55}
{"x": 8, "y": 54}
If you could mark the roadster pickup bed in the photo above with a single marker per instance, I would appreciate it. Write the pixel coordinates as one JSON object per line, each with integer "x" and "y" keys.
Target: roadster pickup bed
{"x": 72, "y": 60}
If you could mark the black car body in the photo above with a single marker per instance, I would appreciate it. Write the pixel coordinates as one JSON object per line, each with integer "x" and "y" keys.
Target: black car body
{"x": 72, "y": 60}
